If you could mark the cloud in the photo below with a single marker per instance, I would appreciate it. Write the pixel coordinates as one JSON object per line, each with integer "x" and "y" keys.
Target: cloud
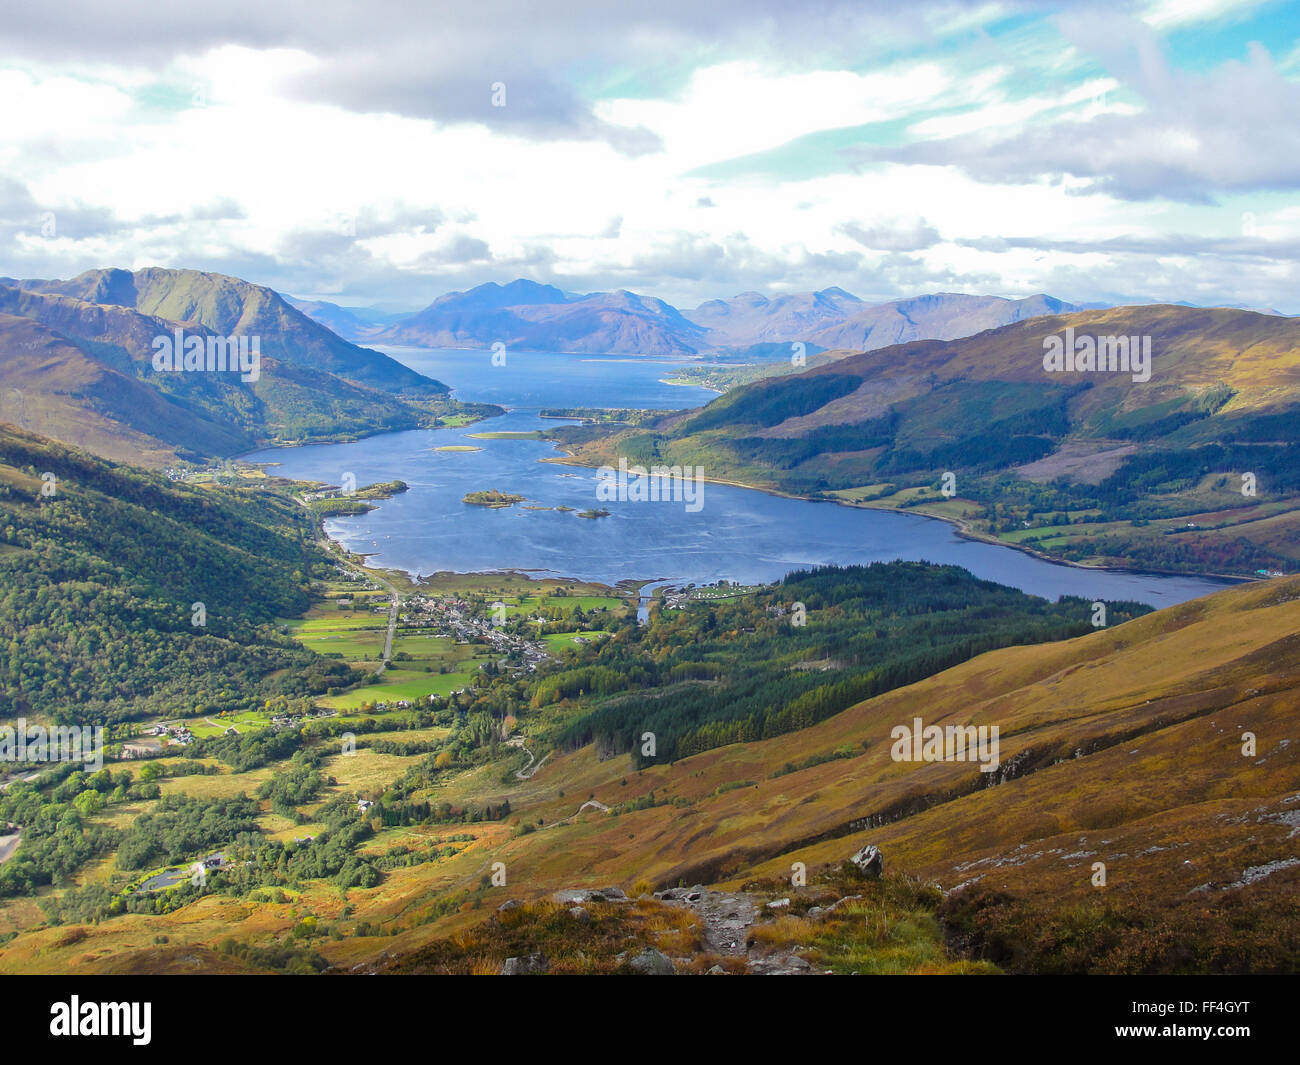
{"x": 910, "y": 236}
{"x": 1197, "y": 137}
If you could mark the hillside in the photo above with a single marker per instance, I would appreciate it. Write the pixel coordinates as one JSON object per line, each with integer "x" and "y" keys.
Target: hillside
{"x": 102, "y": 566}
{"x": 1124, "y": 746}
{"x": 1088, "y": 466}
{"x": 232, "y": 307}
{"x": 1161, "y": 747}
{"x": 82, "y": 372}
{"x": 51, "y": 386}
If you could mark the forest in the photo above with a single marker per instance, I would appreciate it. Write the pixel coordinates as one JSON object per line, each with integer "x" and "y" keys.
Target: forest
{"x": 123, "y": 594}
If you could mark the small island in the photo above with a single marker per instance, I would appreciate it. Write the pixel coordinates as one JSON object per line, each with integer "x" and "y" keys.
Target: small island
{"x": 593, "y": 514}
{"x": 493, "y": 498}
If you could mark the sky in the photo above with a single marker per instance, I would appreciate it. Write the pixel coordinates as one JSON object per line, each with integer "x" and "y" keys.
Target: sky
{"x": 387, "y": 153}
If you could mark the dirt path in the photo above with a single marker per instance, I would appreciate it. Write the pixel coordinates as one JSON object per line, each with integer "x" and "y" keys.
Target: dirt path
{"x": 727, "y": 917}
{"x": 529, "y": 770}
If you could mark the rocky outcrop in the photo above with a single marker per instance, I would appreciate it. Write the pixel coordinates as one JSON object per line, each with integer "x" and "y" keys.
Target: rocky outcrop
{"x": 868, "y": 861}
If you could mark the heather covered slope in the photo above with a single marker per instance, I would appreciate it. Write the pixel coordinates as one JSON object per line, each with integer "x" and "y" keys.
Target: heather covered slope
{"x": 51, "y": 386}
{"x": 82, "y": 372}
{"x": 1124, "y": 747}
{"x": 233, "y": 307}
{"x": 1090, "y": 466}
{"x": 1127, "y": 747}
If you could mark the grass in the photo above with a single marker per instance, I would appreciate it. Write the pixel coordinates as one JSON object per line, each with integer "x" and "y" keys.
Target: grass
{"x": 398, "y": 683}
{"x": 1159, "y": 789}
{"x": 558, "y": 641}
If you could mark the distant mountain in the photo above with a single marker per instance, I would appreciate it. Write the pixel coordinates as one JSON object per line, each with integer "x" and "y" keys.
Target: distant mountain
{"x": 524, "y": 314}
{"x": 232, "y": 307}
{"x": 351, "y": 323}
{"x": 751, "y": 318}
{"x": 940, "y": 316}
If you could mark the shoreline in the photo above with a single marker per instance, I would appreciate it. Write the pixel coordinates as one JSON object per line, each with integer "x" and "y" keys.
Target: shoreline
{"x": 960, "y": 524}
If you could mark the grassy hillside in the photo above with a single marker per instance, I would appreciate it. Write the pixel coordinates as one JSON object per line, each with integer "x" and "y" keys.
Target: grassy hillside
{"x": 1092, "y": 467}
{"x": 1124, "y": 747}
{"x": 1127, "y": 746}
{"x": 81, "y": 372}
{"x": 233, "y": 307}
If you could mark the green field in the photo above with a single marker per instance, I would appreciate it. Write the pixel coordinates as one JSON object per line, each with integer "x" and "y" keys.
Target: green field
{"x": 399, "y": 684}
{"x": 566, "y": 604}
{"x": 558, "y": 641}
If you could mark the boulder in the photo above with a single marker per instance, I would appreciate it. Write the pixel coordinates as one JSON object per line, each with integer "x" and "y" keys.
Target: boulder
{"x": 509, "y": 904}
{"x": 580, "y": 915}
{"x": 527, "y": 965}
{"x": 868, "y": 861}
{"x": 784, "y": 964}
{"x": 651, "y": 962}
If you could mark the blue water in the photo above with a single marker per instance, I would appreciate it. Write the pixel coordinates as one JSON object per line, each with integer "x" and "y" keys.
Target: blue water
{"x": 738, "y": 534}
{"x": 533, "y": 379}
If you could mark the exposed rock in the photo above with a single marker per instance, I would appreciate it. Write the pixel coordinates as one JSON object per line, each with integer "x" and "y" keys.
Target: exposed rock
{"x": 527, "y": 965}
{"x": 779, "y": 904}
{"x": 868, "y": 861}
{"x": 651, "y": 962}
{"x": 570, "y": 896}
{"x": 814, "y": 912}
{"x": 717, "y": 970}
{"x": 781, "y": 964}
{"x": 580, "y": 915}
{"x": 509, "y": 904}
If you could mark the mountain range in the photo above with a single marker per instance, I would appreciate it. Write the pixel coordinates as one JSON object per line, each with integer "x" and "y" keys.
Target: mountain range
{"x": 539, "y": 317}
